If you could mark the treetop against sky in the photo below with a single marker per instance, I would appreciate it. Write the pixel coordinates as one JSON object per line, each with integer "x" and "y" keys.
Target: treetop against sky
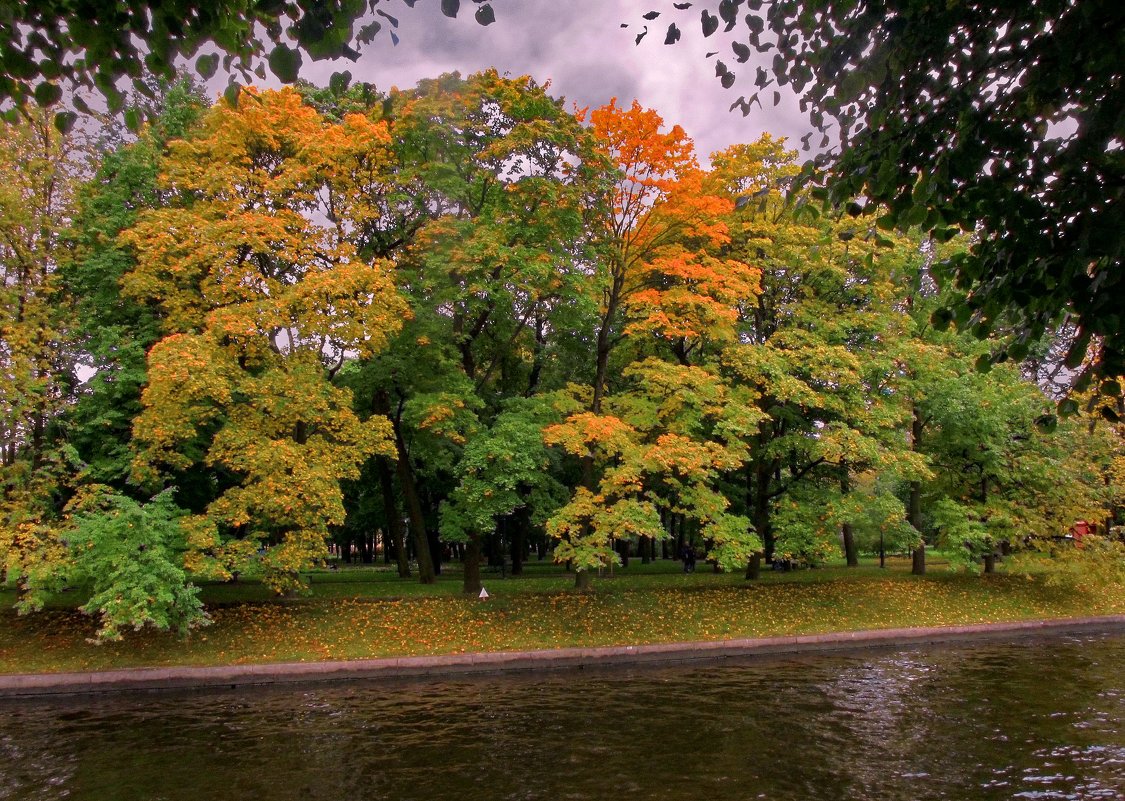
{"x": 580, "y": 46}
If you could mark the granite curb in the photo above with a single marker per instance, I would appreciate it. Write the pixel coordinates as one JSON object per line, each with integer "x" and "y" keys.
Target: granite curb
{"x": 232, "y": 676}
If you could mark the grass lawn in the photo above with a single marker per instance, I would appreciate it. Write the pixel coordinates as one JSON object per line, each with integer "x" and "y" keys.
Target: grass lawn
{"x": 367, "y": 612}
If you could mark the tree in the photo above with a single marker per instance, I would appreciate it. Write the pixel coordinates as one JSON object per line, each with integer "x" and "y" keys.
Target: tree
{"x": 998, "y": 119}
{"x": 814, "y": 349}
{"x": 112, "y": 334}
{"x": 130, "y": 554}
{"x": 39, "y": 171}
{"x": 663, "y": 288}
{"x": 493, "y": 264}
{"x": 263, "y": 296}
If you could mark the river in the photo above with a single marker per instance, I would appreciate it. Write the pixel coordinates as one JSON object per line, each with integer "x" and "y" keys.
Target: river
{"x": 1039, "y": 718}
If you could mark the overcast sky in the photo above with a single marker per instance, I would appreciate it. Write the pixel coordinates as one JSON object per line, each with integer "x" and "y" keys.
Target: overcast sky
{"x": 579, "y": 46}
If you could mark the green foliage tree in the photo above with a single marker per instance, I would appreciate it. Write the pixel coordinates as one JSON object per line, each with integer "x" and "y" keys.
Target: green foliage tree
{"x": 815, "y": 349}
{"x": 998, "y": 119}
{"x": 113, "y": 333}
{"x": 130, "y": 554}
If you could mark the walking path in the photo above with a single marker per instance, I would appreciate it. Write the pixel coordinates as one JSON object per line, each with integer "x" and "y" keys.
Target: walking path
{"x": 231, "y": 676}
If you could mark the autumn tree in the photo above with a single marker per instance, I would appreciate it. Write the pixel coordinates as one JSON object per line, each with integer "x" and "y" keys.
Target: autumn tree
{"x": 662, "y": 287}
{"x": 263, "y": 296}
{"x": 39, "y": 170}
{"x": 812, "y": 350}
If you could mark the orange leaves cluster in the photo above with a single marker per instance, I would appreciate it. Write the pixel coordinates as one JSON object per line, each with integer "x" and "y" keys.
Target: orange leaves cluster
{"x": 585, "y": 431}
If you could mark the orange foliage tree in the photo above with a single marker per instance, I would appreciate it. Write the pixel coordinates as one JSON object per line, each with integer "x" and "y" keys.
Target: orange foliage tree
{"x": 664, "y": 285}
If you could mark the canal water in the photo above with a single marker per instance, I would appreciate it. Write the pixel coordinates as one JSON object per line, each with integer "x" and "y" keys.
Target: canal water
{"x": 1040, "y": 718}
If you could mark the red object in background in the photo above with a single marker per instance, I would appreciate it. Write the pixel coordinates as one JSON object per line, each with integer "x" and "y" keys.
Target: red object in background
{"x": 1082, "y": 528}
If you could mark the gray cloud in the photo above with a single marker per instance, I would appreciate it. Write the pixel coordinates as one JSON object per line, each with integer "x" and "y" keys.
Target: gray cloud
{"x": 581, "y": 49}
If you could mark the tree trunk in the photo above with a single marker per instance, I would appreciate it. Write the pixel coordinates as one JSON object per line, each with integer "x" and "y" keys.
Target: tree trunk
{"x": 434, "y": 543}
{"x": 754, "y": 569}
{"x": 990, "y": 563}
{"x": 522, "y": 523}
{"x": 851, "y": 553}
{"x": 582, "y": 580}
{"x": 762, "y": 521}
{"x": 394, "y": 518}
{"x": 918, "y": 558}
{"x": 471, "y": 584}
{"x": 414, "y": 510}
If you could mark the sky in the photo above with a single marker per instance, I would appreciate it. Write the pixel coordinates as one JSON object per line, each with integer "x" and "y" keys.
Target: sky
{"x": 581, "y": 48}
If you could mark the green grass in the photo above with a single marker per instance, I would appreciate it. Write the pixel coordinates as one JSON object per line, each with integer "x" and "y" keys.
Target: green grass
{"x": 356, "y": 613}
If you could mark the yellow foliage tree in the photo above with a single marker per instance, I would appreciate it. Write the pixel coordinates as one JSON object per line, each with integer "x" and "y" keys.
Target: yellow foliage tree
{"x": 265, "y": 295}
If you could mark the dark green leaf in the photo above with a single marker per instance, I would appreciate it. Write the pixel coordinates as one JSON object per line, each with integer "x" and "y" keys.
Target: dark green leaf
{"x": 367, "y": 33}
{"x": 206, "y": 65}
{"x": 47, "y": 94}
{"x": 450, "y": 7}
{"x": 709, "y": 22}
{"x": 339, "y": 82}
{"x": 485, "y": 15}
{"x": 64, "y": 121}
{"x": 285, "y": 63}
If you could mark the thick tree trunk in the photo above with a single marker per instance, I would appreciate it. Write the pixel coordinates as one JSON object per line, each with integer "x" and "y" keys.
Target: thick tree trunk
{"x": 434, "y": 543}
{"x": 754, "y": 569}
{"x": 582, "y": 580}
{"x": 471, "y": 584}
{"x": 394, "y": 518}
{"x": 762, "y": 520}
{"x": 522, "y": 523}
{"x": 990, "y": 563}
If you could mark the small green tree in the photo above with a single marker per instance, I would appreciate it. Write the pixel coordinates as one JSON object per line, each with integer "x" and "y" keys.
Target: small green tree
{"x": 130, "y": 554}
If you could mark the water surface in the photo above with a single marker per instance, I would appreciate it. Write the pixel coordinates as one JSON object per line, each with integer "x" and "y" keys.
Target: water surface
{"x": 1039, "y": 718}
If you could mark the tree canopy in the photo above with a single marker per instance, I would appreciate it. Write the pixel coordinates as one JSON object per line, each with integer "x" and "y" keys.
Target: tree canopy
{"x": 1004, "y": 120}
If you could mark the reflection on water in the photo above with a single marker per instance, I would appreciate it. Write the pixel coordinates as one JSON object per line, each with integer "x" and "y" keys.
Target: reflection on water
{"x": 1039, "y": 719}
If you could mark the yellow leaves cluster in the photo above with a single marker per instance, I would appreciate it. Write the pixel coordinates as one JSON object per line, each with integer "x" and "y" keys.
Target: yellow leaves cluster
{"x": 264, "y": 295}
{"x": 691, "y": 296}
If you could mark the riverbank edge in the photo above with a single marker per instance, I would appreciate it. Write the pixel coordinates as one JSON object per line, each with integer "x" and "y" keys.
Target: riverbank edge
{"x": 446, "y": 665}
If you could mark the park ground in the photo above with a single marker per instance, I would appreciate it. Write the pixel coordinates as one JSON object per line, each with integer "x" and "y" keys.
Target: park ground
{"x": 366, "y": 612}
